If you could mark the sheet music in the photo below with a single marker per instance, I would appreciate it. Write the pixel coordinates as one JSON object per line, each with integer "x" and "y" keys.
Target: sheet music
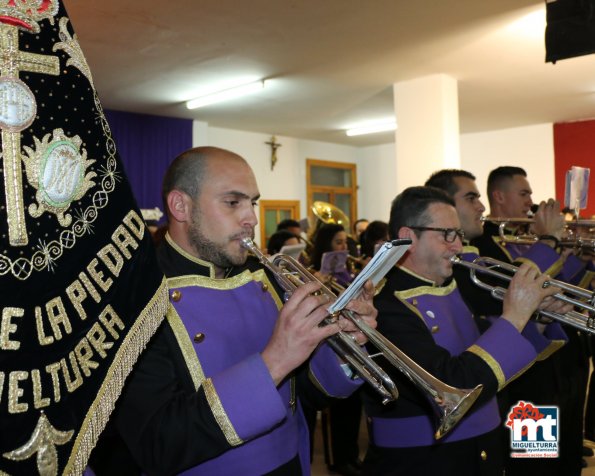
{"x": 384, "y": 259}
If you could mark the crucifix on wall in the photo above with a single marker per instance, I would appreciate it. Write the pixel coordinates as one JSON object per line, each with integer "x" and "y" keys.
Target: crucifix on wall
{"x": 274, "y": 146}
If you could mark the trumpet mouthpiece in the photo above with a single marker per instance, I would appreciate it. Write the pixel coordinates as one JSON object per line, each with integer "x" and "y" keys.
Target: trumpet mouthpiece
{"x": 247, "y": 243}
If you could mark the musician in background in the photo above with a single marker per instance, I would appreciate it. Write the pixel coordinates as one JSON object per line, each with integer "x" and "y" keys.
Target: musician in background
{"x": 538, "y": 384}
{"x": 279, "y": 239}
{"x": 290, "y": 225}
{"x": 359, "y": 226}
{"x": 422, "y": 313}
{"x": 562, "y": 380}
{"x": 342, "y": 420}
{"x": 375, "y": 234}
{"x": 229, "y": 350}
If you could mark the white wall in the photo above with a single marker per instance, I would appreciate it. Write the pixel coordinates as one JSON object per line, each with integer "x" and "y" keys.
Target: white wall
{"x": 531, "y": 148}
{"x": 288, "y": 179}
{"x": 377, "y": 169}
{"x": 528, "y": 147}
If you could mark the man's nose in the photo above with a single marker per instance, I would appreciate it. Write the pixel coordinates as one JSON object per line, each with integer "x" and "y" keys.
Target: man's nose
{"x": 249, "y": 217}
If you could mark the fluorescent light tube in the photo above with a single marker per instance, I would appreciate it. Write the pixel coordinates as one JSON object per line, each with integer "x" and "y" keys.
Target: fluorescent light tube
{"x": 226, "y": 94}
{"x": 372, "y": 128}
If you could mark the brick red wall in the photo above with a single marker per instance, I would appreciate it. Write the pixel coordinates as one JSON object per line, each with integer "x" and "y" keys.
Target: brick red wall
{"x": 574, "y": 144}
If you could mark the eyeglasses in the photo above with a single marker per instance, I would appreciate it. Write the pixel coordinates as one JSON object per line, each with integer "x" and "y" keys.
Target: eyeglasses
{"x": 450, "y": 234}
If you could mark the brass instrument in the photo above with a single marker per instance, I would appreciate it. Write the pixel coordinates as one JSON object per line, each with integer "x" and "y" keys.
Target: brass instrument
{"x": 582, "y": 298}
{"x": 329, "y": 213}
{"x": 449, "y": 404}
{"x": 570, "y": 240}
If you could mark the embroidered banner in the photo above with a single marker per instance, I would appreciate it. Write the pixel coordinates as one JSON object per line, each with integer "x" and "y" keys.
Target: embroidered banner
{"x": 81, "y": 293}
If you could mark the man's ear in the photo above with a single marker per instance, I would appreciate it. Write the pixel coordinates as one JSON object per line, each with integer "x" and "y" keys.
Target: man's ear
{"x": 498, "y": 196}
{"x": 179, "y": 205}
{"x": 406, "y": 232}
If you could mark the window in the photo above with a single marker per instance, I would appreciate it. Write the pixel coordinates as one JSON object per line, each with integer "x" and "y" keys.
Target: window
{"x": 271, "y": 213}
{"x": 332, "y": 182}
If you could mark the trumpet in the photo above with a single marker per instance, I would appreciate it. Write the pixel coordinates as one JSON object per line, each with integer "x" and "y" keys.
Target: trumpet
{"x": 577, "y": 296}
{"x": 571, "y": 240}
{"x": 448, "y": 403}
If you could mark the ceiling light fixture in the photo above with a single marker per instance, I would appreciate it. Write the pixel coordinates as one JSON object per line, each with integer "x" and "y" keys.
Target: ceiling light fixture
{"x": 226, "y": 94}
{"x": 372, "y": 127}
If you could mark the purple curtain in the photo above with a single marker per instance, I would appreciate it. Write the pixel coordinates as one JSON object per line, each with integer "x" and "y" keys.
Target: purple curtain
{"x": 147, "y": 145}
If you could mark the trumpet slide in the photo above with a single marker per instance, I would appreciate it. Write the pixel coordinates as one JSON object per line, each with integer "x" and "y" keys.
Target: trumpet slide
{"x": 571, "y": 239}
{"x": 578, "y": 297}
{"x": 449, "y": 404}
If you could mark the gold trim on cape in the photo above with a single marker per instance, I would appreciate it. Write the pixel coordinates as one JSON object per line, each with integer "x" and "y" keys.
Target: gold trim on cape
{"x": 99, "y": 412}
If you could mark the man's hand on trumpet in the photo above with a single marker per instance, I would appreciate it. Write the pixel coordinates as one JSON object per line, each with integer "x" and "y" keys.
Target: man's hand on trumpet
{"x": 363, "y": 307}
{"x": 297, "y": 331}
{"x": 525, "y": 294}
{"x": 549, "y": 222}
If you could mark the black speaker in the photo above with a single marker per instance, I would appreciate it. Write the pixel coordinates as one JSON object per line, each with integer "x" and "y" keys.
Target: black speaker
{"x": 570, "y": 29}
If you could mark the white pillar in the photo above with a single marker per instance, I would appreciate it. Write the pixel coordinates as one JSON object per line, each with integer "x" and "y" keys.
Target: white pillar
{"x": 427, "y": 136}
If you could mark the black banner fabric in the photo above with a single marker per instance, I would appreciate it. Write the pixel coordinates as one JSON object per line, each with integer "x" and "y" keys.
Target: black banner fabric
{"x": 80, "y": 290}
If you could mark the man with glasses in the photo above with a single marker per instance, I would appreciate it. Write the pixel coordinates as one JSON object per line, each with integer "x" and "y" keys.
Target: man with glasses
{"x": 539, "y": 384}
{"x": 421, "y": 311}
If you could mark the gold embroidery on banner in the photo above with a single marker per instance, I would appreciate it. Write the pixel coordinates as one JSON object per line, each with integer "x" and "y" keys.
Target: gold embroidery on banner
{"x": 190, "y": 257}
{"x": 186, "y": 346}
{"x": 12, "y": 62}
{"x": 220, "y": 414}
{"x": 71, "y": 46}
{"x": 15, "y": 392}
{"x": 492, "y": 363}
{"x": 30, "y": 12}
{"x": 42, "y": 442}
{"x": 38, "y": 400}
{"x": 7, "y": 327}
{"x": 57, "y": 169}
{"x": 99, "y": 412}
{"x": 48, "y": 253}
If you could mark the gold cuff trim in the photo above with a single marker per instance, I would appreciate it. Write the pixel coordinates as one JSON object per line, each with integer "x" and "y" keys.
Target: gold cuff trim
{"x": 555, "y": 268}
{"x": 585, "y": 282}
{"x": 188, "y": 256}
{"x": 492, "y": 364}
{"x": 99, "y": 412}
{"x": 186, "y": 346}
{"x": 553, "y": 346}
{"x": 220, "y": 414}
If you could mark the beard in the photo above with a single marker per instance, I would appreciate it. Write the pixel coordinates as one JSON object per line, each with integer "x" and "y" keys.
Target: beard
{"x": 212, "y": 251}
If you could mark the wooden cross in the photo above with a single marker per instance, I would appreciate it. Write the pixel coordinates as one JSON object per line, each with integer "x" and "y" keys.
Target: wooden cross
{"x": 274, "y": 146}
{"x": 12, "y": 62}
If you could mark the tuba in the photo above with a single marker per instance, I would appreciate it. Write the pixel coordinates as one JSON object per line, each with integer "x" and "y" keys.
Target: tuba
{"x": 448, "y": 403}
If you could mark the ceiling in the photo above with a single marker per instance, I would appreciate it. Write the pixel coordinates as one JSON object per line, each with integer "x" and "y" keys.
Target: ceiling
{"x": 331, "y": 63}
